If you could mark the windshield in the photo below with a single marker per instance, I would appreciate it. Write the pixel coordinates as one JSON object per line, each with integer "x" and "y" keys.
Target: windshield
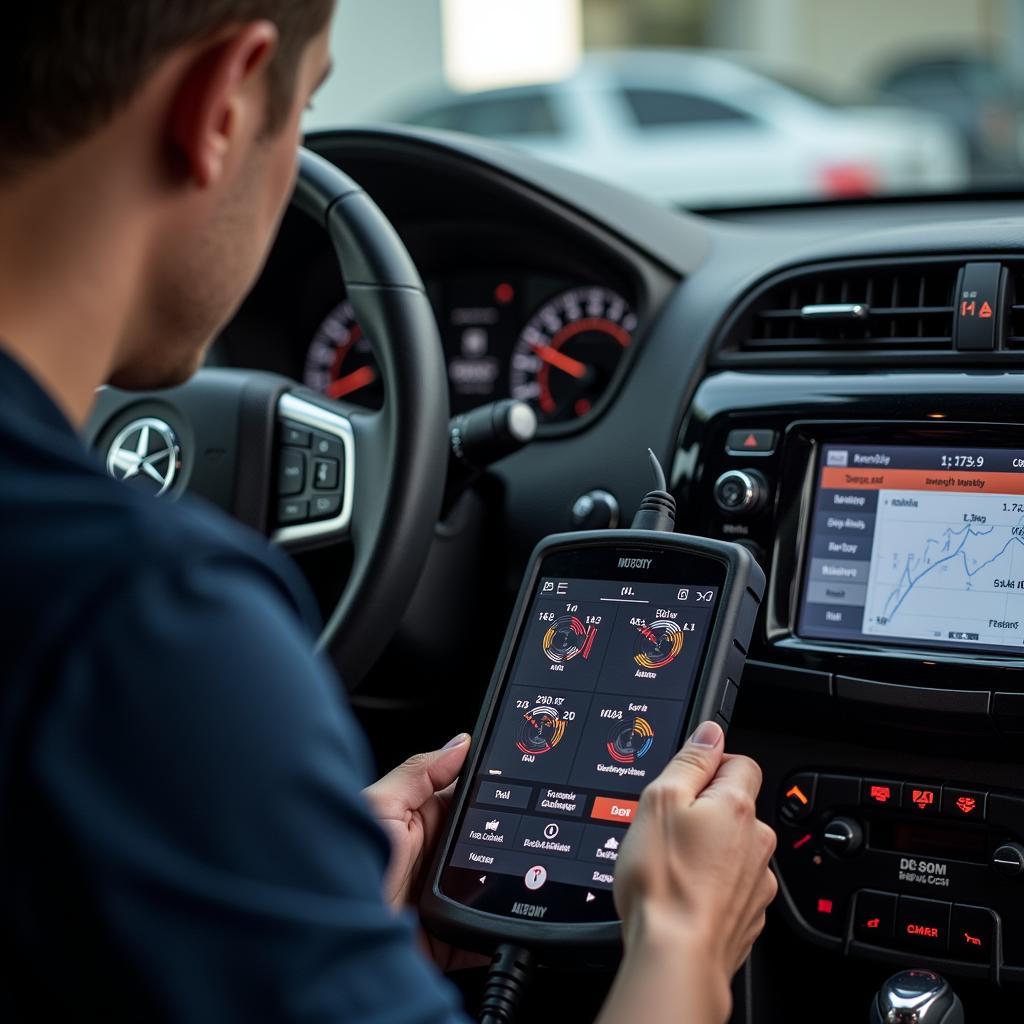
{"x": 704, "y": 103}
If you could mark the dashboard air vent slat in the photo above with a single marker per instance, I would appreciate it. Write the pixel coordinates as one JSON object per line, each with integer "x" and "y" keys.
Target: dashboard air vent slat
{"x": 856, "y": 310}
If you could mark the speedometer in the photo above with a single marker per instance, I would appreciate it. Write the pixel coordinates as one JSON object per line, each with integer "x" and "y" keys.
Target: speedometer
{"x": 340, "y": 363}
{"x": 567, "y": 354}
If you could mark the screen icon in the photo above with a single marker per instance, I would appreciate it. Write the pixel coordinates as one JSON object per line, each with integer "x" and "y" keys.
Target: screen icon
{"x": 493, "y": 825}
{"x": 551, "y": 831}
{"x": 839, "y": 458}
{"x": 536, "y": 877}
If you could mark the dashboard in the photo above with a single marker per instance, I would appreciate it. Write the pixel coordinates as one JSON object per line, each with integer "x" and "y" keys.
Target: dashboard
{"x": 836, "y": 388}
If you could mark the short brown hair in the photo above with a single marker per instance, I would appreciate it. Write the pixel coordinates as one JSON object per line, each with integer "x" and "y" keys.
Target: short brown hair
{"x": 67, "y": 66}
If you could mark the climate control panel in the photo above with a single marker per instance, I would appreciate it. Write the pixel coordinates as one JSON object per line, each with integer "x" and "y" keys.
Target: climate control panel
{"x": 898, "y": 869}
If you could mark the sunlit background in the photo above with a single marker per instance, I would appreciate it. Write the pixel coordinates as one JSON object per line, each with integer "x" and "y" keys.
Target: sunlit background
{"x": 704, "y": 102}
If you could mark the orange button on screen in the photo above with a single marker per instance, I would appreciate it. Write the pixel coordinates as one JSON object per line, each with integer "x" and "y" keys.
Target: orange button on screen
{"x": 609, "y": 809}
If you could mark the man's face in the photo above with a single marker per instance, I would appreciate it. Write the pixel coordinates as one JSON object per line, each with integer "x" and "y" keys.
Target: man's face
{"x": 208, "y": 259}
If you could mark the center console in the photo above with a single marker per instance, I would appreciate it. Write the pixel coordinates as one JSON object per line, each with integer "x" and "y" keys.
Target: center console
{"x": 888, "y": 511}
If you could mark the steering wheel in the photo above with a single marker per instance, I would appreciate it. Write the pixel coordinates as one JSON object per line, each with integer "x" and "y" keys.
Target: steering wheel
{"x": 300, "y": 468}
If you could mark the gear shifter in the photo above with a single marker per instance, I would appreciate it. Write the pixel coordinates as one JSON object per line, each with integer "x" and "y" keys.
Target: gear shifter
{"x": 917, "y": 997}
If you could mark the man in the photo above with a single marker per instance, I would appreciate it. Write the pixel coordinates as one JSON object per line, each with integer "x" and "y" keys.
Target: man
{"x": 183, "y": 834}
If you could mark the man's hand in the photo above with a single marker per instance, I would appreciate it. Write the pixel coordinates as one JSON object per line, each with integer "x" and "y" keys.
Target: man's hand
{"x": 412, "y": 804}
{"x": 692, "y": 881}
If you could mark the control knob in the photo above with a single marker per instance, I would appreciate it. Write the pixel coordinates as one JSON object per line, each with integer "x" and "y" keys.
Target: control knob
{"x": 843, "y": 836}
{"x": 1008, "y": 860}
{"x": 740, "y": 492}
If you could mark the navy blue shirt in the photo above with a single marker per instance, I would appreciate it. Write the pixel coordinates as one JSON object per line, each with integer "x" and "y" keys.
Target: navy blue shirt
{"x": 182, "y": 832}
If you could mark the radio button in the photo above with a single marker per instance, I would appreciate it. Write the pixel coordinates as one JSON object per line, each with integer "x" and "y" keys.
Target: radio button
{"x": 874, "y": 918}
{"x": 921, "y": 798}
{"x": 972, "y": 933}
{"x": 881, "y": 793}
{"x": 798, "y": 797}
{"x": 922, "y": 926}
{"x": 964, "y": 804}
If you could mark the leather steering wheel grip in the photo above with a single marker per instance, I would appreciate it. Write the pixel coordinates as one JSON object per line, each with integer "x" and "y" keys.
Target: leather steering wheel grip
{"x": 402, "y": 451}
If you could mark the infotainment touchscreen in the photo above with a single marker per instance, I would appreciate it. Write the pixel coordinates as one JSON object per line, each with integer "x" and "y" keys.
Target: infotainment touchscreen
{"x": 915, "y": 545}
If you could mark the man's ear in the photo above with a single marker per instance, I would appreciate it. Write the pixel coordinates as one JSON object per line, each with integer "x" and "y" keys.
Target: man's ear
{"x": 221, "y": 101}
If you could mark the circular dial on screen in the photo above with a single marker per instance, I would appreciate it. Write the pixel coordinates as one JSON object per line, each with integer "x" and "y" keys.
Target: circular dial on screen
{"x": 630, "y": 742}
{"x": 658, "y": 644}
{"x": 340, "y": 362}
{"x": 566, "y": 356}
{"x": 540, "y": 730}
{"x": 568, "y": 638}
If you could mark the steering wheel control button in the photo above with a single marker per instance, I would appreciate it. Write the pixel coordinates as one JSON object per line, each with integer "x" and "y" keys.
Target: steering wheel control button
{"x": 920, "y": 798}
{"x": 750, "y": 442}
{"x": 323, "y": 506}
{"x": 740, "y": 492}
{"x": 964, "y": 804}
{"x": 295, "y": 436}
{"x": 843, "y": 836}
{"x": 1008, "y": 860}
{"x": 325, "y": 474}
{"x": 881, "y": 793}
{"x": 291, "y": 477}
{"x": 798, "y": 797}
{"x": 972, "y": 933}
{"x": 874, "y": 919}
{"x": 535, "y": 877}
{"x": 922, "y": 926}
{"x": 327, "y": 447}
{"x": 292, "y": 511}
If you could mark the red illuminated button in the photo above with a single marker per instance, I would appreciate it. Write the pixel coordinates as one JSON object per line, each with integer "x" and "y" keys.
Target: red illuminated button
{"x": 875, "y": 917}
{"x": 972, "y": 933}
{"x": 965, "y": 804}
{"x": 922, "y": 798}
{"x": 798, "y": 797}
{"x": 922, "y": 925}
{"x": 608, "y": 808}
{"x": 881, "y": 793}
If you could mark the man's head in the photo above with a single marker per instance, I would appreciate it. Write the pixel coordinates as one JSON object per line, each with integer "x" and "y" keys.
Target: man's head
{"x": 193, "y": 108}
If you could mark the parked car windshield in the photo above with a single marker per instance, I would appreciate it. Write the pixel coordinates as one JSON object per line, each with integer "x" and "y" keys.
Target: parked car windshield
{"x": 704, "y": 103}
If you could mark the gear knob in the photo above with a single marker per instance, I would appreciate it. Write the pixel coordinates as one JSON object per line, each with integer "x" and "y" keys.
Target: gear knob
{"x": 917, "y": 997}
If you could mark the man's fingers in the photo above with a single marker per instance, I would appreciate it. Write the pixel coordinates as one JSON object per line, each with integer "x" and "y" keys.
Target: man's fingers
{"x": 690, "y": 771}
{"x": 736, "y": 772}
{"x": 415, "y": 781}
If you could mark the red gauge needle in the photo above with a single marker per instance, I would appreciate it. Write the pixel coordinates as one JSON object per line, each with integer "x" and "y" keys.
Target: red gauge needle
{"x": 353, "y": 381}
{"x": 560, "y": 361}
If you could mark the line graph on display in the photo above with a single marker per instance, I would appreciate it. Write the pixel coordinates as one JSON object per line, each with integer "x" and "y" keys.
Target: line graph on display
{"x": 947, "y": 566}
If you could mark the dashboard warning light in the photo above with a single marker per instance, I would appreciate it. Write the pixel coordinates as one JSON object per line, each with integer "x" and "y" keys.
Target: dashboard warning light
{"x": 504, "y": 293}
{"x": 985, "y": 312}
{"x": 875, "y": 922}
{"x": 972, "y": 940}
{"x": 797, "y": 792}
{"x": 881, "y": 794}
{"x": 923, "y": 798}
{"x": 802, "y": 841}
{"x": 966, "y": 804}
{"x": 824, "y": 906}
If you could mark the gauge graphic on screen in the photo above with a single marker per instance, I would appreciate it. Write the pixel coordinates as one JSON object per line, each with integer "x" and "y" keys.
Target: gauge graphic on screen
{"x": 340, "y": 362}
{"x": 658, "y": 644}
{"x": 629, "y": 742}
{"x": 568, "y": 353}
{"x": 540, "y": 731}
{"x": 568, "y": 638}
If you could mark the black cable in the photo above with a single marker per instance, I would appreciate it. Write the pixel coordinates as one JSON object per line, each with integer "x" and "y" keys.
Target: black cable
{"x": 507, "y": 979}
{"x": 658, "y": 509}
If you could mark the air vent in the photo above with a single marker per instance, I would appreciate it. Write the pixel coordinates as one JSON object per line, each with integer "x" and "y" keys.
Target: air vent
{"x": 855, "y": 309}
{"x": 1015, "y": 328}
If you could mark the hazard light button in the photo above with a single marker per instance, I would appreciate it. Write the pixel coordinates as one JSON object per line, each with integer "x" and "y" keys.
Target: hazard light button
{"x": 979, "y": 306}
{"x": 750, "y": 442}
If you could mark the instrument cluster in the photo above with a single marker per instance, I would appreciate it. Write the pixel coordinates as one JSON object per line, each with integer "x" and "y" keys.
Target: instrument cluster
{"x": 545, "y": 339}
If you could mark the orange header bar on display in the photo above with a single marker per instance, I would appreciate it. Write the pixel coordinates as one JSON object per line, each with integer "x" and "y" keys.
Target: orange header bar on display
{"x": 948, "y": 481}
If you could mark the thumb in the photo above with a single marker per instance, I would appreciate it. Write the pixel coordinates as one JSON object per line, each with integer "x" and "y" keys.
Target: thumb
{"x": 693, "y": 768}
{"x": 414, "y": 782}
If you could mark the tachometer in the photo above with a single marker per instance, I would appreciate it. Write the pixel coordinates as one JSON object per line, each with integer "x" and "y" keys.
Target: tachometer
{"x": 567, "y": 354}
{"x": 340, "y": 363}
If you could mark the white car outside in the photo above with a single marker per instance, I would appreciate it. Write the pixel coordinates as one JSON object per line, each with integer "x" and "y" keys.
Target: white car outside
{"x": 702, "y": 130}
